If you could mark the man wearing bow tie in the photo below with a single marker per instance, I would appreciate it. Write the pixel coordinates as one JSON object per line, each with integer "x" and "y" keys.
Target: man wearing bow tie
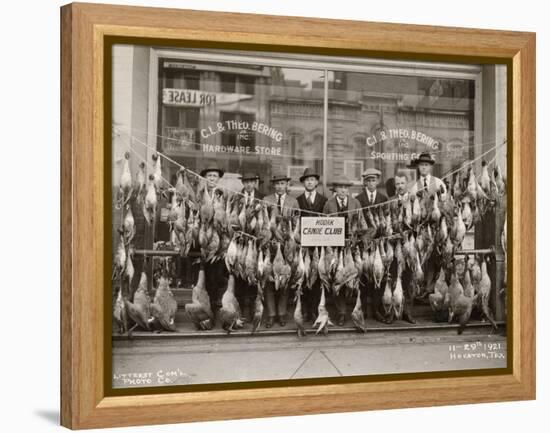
{"x": 311, "y": 202}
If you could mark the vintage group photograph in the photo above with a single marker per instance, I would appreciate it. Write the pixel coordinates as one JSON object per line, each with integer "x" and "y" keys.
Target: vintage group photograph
{"x": 283, "y": 216}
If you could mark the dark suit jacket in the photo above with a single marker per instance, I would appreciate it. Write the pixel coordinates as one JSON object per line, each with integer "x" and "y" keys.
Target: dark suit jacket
{"x": 363, "y": 198}
{"x": 317, "y": 206}
{"x": 290, "y": 204}
{"x": 331, "y": 207}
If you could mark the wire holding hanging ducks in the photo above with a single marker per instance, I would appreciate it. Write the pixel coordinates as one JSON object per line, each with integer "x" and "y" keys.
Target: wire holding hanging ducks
{"x": 392, "y": 246}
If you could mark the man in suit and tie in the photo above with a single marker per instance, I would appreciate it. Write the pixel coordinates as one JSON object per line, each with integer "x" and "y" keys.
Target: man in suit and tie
{"x": 400, "y": 197}
{"x": 370, "y": 194}
{"x": 283, "y": 204}
{"x": 311, "y": 202}
{"x": 341, "y": 204}
{"x": 250, "y": 190}
{"x": 401, "y": 193}
{"x": 426, "y": 186}
{"x": 244, "y": 292}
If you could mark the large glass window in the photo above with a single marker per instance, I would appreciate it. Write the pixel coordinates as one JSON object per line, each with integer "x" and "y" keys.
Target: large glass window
{"x": 384, "y": 121}
{"x": 260, "y": 119}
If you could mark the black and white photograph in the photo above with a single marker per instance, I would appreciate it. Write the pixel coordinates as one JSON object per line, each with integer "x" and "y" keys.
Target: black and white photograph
{"x": 282, "y": 216}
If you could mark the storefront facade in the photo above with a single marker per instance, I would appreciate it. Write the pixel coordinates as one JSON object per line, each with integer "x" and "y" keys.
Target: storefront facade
{"x": 274, "y": 113}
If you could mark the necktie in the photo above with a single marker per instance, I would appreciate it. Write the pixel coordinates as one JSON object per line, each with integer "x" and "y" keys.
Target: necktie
{"x": 371, "y": 197}
{"x": 310, "y": 198}
{"x": 342, "y": 202}
{"x": 279, "y": 201}
{"x": 425, "y": 184}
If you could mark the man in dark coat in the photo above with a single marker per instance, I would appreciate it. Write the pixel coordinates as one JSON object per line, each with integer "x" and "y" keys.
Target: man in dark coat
{"x": 285, "y": 205}
{"x": 312, "y": 203}
{"x": 244, "y": 292}
{"x": 400, "y": 197}
{"x": 342, "y": 204}
{"x": 250, "y": 190}
{"x": 370, "y": 196}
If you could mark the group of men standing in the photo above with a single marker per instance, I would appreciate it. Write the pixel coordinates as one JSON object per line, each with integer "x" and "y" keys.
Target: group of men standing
{"x": 312, "y": 203}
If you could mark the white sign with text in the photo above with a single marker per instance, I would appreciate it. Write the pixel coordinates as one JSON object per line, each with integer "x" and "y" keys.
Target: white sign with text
{"x": 323, "y": 231}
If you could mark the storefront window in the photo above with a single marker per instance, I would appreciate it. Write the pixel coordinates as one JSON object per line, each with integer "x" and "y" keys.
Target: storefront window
{"x": 259, "y": 119}
{"x": 384, "y": 121}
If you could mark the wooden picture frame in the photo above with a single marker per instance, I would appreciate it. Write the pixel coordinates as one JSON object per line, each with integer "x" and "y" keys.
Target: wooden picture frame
{"x": 85, "y": 31}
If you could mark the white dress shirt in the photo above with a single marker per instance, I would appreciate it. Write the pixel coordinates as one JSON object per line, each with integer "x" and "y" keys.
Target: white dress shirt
{"x": 310, "y": 196}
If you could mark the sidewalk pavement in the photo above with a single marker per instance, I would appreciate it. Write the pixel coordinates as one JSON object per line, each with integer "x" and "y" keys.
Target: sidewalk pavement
{"x": 142, "y": 362}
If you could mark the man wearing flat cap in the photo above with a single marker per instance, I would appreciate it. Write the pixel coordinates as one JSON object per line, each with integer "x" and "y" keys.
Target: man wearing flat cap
{"x": 215, "y": 273}
{"x": 370, "y": 194}
{"x": 426, "y": 181}
{"x": 341, "y": 204}
{"x": 283, "y": 204}
{"x": 311, "y": 202}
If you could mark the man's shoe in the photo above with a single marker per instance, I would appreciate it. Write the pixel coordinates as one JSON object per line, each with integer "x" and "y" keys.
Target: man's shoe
{"x": 341, "y": 320}
{"x": 269, "y": 323}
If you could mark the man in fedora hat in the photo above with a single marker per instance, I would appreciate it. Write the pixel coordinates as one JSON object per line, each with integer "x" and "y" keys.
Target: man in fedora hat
{"x": 426, "y": 186}
{"x": 283, "y": 204}
{"x": 250, "y": 188}
{"x": 245, "y": 292}
{"x": 311, "y": 202}
{"x": 341, "y": 204}
{"x": 426, "y": 181}
{"x": 370, "y": 195}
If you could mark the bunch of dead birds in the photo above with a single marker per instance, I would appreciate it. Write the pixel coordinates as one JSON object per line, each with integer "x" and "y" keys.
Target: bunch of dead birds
{"x": 261, "y": 247}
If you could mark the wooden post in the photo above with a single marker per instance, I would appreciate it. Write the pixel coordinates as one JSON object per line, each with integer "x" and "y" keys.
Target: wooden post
{"x": 487, "y": 235}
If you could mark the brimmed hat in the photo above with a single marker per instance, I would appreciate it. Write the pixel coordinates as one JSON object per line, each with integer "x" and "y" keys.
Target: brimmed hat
{"x": 249, "y": 176}
{"x": 309, "y": 172}
{"x": 341, "y": 181}
{"x": 279, "y": 176}
{"x": 209, "y": 169}
{"x": 423, "y": 157}
{"x": 371, "y": 172}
